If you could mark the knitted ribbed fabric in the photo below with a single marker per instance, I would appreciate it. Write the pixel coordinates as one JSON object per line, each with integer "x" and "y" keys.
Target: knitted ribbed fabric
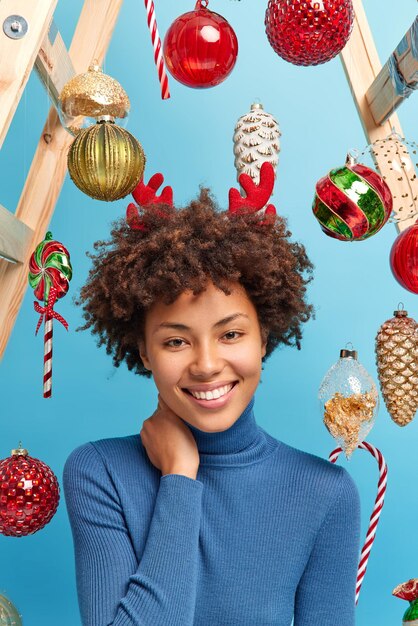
{"x": 264, "y": 534}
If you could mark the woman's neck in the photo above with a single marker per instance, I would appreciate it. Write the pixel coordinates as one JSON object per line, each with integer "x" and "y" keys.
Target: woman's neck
{"x": 241, "y": 444}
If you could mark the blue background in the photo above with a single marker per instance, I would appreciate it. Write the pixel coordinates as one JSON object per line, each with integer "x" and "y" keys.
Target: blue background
{"x": 189, "y": 139}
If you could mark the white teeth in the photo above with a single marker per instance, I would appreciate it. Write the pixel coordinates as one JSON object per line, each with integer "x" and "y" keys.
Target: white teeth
{"x": 210, "y": 395}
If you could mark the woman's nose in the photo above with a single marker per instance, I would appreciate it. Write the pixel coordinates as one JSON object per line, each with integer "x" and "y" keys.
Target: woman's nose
{"x": 206, "y": 361}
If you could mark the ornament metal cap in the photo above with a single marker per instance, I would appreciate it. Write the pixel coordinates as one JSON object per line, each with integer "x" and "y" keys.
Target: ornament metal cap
{"x": 400, "y": 311}
{"x": 20, "y": 451}
{"x": 105, "y": 118}
{"x": 345, "y": 354}
{"x": 256, "y": 105}
{"x": 351, "y": 159}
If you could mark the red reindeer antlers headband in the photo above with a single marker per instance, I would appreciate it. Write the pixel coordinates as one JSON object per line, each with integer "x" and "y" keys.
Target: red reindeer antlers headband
{"x": 255, "y": 200}
{"x": 145, "y": 195}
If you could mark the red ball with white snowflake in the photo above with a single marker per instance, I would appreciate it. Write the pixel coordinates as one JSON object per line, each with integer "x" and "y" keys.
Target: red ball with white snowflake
{"x": 29, "y": 494}
{"x": 308, "y": 32}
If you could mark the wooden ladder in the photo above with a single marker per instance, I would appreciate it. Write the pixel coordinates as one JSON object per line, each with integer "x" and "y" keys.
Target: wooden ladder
{"x": 43, "y": 47}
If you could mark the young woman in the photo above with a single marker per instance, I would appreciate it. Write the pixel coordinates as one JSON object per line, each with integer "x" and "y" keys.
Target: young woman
{"x": 203, "y": 518}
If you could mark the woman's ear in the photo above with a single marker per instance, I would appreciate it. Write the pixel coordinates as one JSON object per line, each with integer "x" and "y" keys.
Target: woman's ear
{"x": 143, "y": 354}
{"x": 264, "y": 337}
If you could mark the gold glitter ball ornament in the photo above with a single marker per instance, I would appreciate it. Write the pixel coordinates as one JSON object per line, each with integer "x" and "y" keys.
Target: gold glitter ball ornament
{"x": 397, "y": 366}
{"x": 105, "y": 161}
{"x": 94, "y": 94}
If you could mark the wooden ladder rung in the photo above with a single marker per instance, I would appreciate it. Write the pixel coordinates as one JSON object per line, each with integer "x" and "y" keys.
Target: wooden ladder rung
{"x": 15, "y": 237}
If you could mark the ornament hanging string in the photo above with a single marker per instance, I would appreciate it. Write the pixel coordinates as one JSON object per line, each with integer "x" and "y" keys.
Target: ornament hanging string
{"x": 158, "y": 55}
{"x": 49, "y": 314}
{"x": 377, "y": 509}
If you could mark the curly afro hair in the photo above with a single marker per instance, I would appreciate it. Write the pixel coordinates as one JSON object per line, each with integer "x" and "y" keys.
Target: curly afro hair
{"x": 196, "y": 244}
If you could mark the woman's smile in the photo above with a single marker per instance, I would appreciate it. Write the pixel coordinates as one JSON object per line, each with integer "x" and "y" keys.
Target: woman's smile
{"x": 215, "y": 399}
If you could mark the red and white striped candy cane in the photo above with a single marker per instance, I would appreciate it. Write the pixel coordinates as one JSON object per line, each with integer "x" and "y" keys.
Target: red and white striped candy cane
{"x": 374, "y": 518}
{"x": 158, "y": 55}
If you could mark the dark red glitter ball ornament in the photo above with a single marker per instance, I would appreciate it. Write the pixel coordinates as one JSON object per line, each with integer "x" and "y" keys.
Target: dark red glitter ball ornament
{"x": 310, "y": 32}
{"x": 29, "y": 494}
{"x": 200, "y": 47}
{"x": 404, "y": 258}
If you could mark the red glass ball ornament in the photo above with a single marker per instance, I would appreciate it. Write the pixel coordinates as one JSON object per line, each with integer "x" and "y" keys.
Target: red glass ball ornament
{"x": 404, "y": 258}
{"x": 308, "y": 32}
{"x": 29, "y": 494}
{"x": 200, "y": 48}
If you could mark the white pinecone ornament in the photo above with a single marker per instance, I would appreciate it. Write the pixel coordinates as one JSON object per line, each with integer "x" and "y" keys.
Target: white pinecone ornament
{"x": 397, "y": 365}
{"x": 256, "y": 140}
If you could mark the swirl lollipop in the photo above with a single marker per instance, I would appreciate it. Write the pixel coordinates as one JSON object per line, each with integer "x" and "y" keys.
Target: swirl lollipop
{"x": 49, "y": 275}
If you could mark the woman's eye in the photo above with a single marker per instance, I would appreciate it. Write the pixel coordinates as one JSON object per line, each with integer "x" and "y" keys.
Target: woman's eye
{"x": 171, "y": 343}
{"x": 232, "y": 332}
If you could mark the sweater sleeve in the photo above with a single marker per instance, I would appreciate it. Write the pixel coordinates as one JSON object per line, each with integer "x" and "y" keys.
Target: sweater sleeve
{"x": 326, "y": 590}
{"x": 113, "y": 588}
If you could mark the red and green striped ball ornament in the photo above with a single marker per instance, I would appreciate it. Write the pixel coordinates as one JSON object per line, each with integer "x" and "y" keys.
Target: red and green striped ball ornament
{"x": 50, "y": 273}
{"x": 352, "y": 202}
{"x": 409, "y": 591}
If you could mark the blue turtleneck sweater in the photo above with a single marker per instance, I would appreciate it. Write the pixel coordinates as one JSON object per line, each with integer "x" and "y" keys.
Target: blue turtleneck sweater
{"x": 265, "y": 533}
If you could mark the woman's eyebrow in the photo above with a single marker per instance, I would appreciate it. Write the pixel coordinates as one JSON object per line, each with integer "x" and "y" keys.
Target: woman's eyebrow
{"x": 221, "y": 322}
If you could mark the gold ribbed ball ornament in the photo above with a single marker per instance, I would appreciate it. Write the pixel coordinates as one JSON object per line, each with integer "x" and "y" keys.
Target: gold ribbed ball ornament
{"x": 94, "y": 94}
{"x": 105, "y": 161}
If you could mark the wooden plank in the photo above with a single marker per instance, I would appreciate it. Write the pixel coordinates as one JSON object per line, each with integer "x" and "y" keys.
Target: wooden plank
{"x": 18, "y": 55}
{"x": 383, "y": 95}
{"x": 49, "y": 165}
{"x": 14, "y": 237}
{"x": 53, "y": 64}
{"x": 361, "y": 65}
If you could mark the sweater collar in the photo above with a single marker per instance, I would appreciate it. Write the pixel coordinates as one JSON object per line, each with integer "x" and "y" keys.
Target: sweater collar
{"x": 241, "y": 444}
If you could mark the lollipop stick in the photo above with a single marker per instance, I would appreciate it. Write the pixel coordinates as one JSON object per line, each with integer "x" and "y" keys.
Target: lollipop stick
{"x": 48, "y": 356}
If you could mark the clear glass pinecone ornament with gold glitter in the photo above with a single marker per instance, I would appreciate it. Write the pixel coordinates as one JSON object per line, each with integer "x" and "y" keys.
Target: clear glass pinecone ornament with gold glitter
{"x": 256, "y": 139}
{"x": 349, "y": 401}
{"x": 397, "y": 366}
